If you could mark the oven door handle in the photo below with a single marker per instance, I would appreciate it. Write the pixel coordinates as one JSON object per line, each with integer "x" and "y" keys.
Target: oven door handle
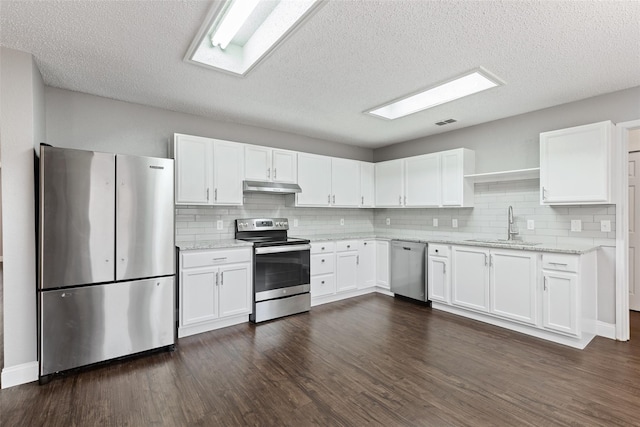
{"x": 279, "y": 249}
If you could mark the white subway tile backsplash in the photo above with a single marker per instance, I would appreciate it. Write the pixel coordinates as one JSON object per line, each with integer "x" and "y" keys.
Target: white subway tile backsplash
{"x": 488, "y": 219}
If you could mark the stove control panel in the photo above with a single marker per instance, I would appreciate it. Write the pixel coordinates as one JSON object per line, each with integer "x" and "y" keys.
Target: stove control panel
{"x": 262, "y": 224}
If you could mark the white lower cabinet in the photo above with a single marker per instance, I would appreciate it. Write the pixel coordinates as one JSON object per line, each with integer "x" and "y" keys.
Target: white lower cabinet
{"x": 548, "y": 295}
{"x": 215, "y": 289}
{"x": 382, "y": 264}
{"x": 512, "y": 285}
{"x": 346, "y": 265}
{"x": 366, "y": 264}
{"x": 470, "y": 279}
{"x": 438, "y": 273}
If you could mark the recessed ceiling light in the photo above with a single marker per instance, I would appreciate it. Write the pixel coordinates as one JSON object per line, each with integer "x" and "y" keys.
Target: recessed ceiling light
{"x": 237, "y": 34}
{"x": 470, "y": 83}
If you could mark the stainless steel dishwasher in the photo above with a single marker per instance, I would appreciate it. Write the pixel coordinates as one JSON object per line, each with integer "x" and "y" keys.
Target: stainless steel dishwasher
{"x": 408, "y": 269}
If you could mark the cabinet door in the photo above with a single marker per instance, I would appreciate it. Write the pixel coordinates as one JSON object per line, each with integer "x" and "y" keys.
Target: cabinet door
{"x": 257, "y": 163}
{"x": 235, "y": 290}
{"x": 366, "y": 264}
{"x": 345, "y": 182}
{"x": 422, "y": 180}
{"x": 194, "y": 175}
{"x": 314, "y": 177}
{"x": 574, "y": 165}
{"x": 285, "y": 166}
{"x": 346, "y": 271}
{"x": 389, "y": 183}
{"x": 513, "y": 285}
{"x": 199, "y": 295}
{"x": 382, "y": 264}
{"x": 228, "y": 171}
{"x": 470, "y": 279}
{"x": 438, "y": 279}
{"x": 452, "y": 177}
{"x": 560, "y": 311}
{"x": 367, "y": 193}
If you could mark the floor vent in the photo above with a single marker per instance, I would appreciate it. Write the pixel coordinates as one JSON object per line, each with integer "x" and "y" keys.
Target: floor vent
{"x": 446, "y": 122}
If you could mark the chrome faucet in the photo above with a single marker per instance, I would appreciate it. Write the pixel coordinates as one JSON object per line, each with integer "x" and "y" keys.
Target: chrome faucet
{"x": 510, "y": 231}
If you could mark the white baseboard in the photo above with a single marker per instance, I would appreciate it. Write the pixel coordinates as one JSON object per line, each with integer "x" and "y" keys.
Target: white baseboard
{"x": 607, "y": 330}
{"x": 19, "y": 374}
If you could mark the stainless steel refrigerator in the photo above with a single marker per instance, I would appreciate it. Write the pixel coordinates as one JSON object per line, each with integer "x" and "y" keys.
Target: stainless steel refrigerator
{"x": 106, "y": 265}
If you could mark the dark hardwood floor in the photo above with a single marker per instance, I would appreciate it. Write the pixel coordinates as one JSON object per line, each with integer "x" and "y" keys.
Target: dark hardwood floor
{"x": 372, "y": 360}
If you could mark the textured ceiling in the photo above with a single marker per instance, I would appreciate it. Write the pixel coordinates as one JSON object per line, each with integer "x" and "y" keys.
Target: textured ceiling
{"x": 348, "y": 57}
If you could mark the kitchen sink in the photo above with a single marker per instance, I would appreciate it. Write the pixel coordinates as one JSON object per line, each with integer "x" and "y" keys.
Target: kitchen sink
{"x": 504, "y": 242}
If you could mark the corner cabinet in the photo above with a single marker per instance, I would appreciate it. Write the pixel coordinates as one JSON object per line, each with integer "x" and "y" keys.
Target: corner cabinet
{"x": 548, "y": 295}
{"x": 215, "y": 288}
{"x": 576, "y": 165}
{"x": 208, "y": 171}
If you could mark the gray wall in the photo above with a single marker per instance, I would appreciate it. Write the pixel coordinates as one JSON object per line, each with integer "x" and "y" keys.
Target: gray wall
{"x": 78, "y": 120}
{"x": 21, "y": 124}
{"x": 513, "y": 142}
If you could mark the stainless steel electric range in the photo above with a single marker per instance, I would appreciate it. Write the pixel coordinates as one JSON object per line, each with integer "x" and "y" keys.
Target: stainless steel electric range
{"x": 281, "y": 273}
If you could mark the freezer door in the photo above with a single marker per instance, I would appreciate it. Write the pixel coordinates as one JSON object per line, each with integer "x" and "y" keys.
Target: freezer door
{"x": 144, "y": 217}
{"x": 77, "y": 217}
{"x": 90, "y": 324}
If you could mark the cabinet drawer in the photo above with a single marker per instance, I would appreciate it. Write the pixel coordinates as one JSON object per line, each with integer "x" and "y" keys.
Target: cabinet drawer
{"x": 346, "y": 245}
{"x": 192, "y": 259}
{"x": 321, "y": 264}
{"x": 560, "y": 262}
{"x": 322, "y": 247}
{"x": 438, "y": 250}
{"x": 323, "y": 285}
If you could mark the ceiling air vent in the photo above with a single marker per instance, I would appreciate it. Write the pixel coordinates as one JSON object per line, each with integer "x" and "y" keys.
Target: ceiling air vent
{"x": 446, "y": 122}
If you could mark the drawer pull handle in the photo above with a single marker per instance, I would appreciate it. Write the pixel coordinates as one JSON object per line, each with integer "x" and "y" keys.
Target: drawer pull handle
{"x": 558, "y": 263}
{"x": 322, "y": 261}
{"x": 348, "y": 246}
{"x": 220, "y": 259}
{"x": 322, "y": 248}
{"x": 322, "y": 282}
{"x": 436, "y": 251}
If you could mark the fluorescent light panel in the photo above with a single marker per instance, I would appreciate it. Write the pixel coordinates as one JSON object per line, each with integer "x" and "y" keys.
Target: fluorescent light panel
{"x": 463, "y": 86}
{"x": 230, "y": 24}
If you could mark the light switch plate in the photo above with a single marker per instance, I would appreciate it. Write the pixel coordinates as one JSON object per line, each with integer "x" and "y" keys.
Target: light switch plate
{"x": 454, "y": 223}
{"x": 605, "y": 225}
{"x": 219, "y": 224}
{"x": 341, "y": 221}
{"x": 576, "y": 225}
{"x": 531, "y": 225}
{"x": 295, "y": 222}
{"x": 435, "y": 222}
{"x": 388, "y": 221}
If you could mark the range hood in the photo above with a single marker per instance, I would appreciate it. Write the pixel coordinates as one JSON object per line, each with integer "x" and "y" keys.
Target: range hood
{"x": 270, "y": 187}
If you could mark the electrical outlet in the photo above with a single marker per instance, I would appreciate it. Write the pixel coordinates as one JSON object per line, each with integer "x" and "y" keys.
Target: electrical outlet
{"x": 435, "y": 222}
{"x": 454, "y": 223}
{"x": 295, "y": 222}
{"x": 219, "y": 224}
{"x": 388, "y": 221}
{"x": 605, "y": 225}
{"x": 341, "y": 221}
{"x": 531, "y": 225}
{"x": 576, "y": 225}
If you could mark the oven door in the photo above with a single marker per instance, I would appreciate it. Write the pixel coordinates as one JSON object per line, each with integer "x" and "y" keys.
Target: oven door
{"x": 281, "y": 271}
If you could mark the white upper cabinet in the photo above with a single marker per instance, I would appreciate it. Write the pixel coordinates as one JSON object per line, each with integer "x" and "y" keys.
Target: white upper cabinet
{"x": 345, "y": 182}
{"x": 194, "y": 169}
{"x": 456, "y": 190}
{"x": 422, "y": 180}
{"x": 268, "y": 164}
{"x": 228, "y": 170}
{"x": 389, "y": 183}
{"x": 575, "y": 165}
{"x": 430, "y": 180}
{"x": 208, "y": 171}
{"x": 314, "y": 177}
{"x": 367, "y": 185}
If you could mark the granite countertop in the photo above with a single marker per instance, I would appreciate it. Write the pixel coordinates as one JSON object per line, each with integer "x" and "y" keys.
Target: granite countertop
{"x": 213, "y": 244}
{"x": 492, "y": 243}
